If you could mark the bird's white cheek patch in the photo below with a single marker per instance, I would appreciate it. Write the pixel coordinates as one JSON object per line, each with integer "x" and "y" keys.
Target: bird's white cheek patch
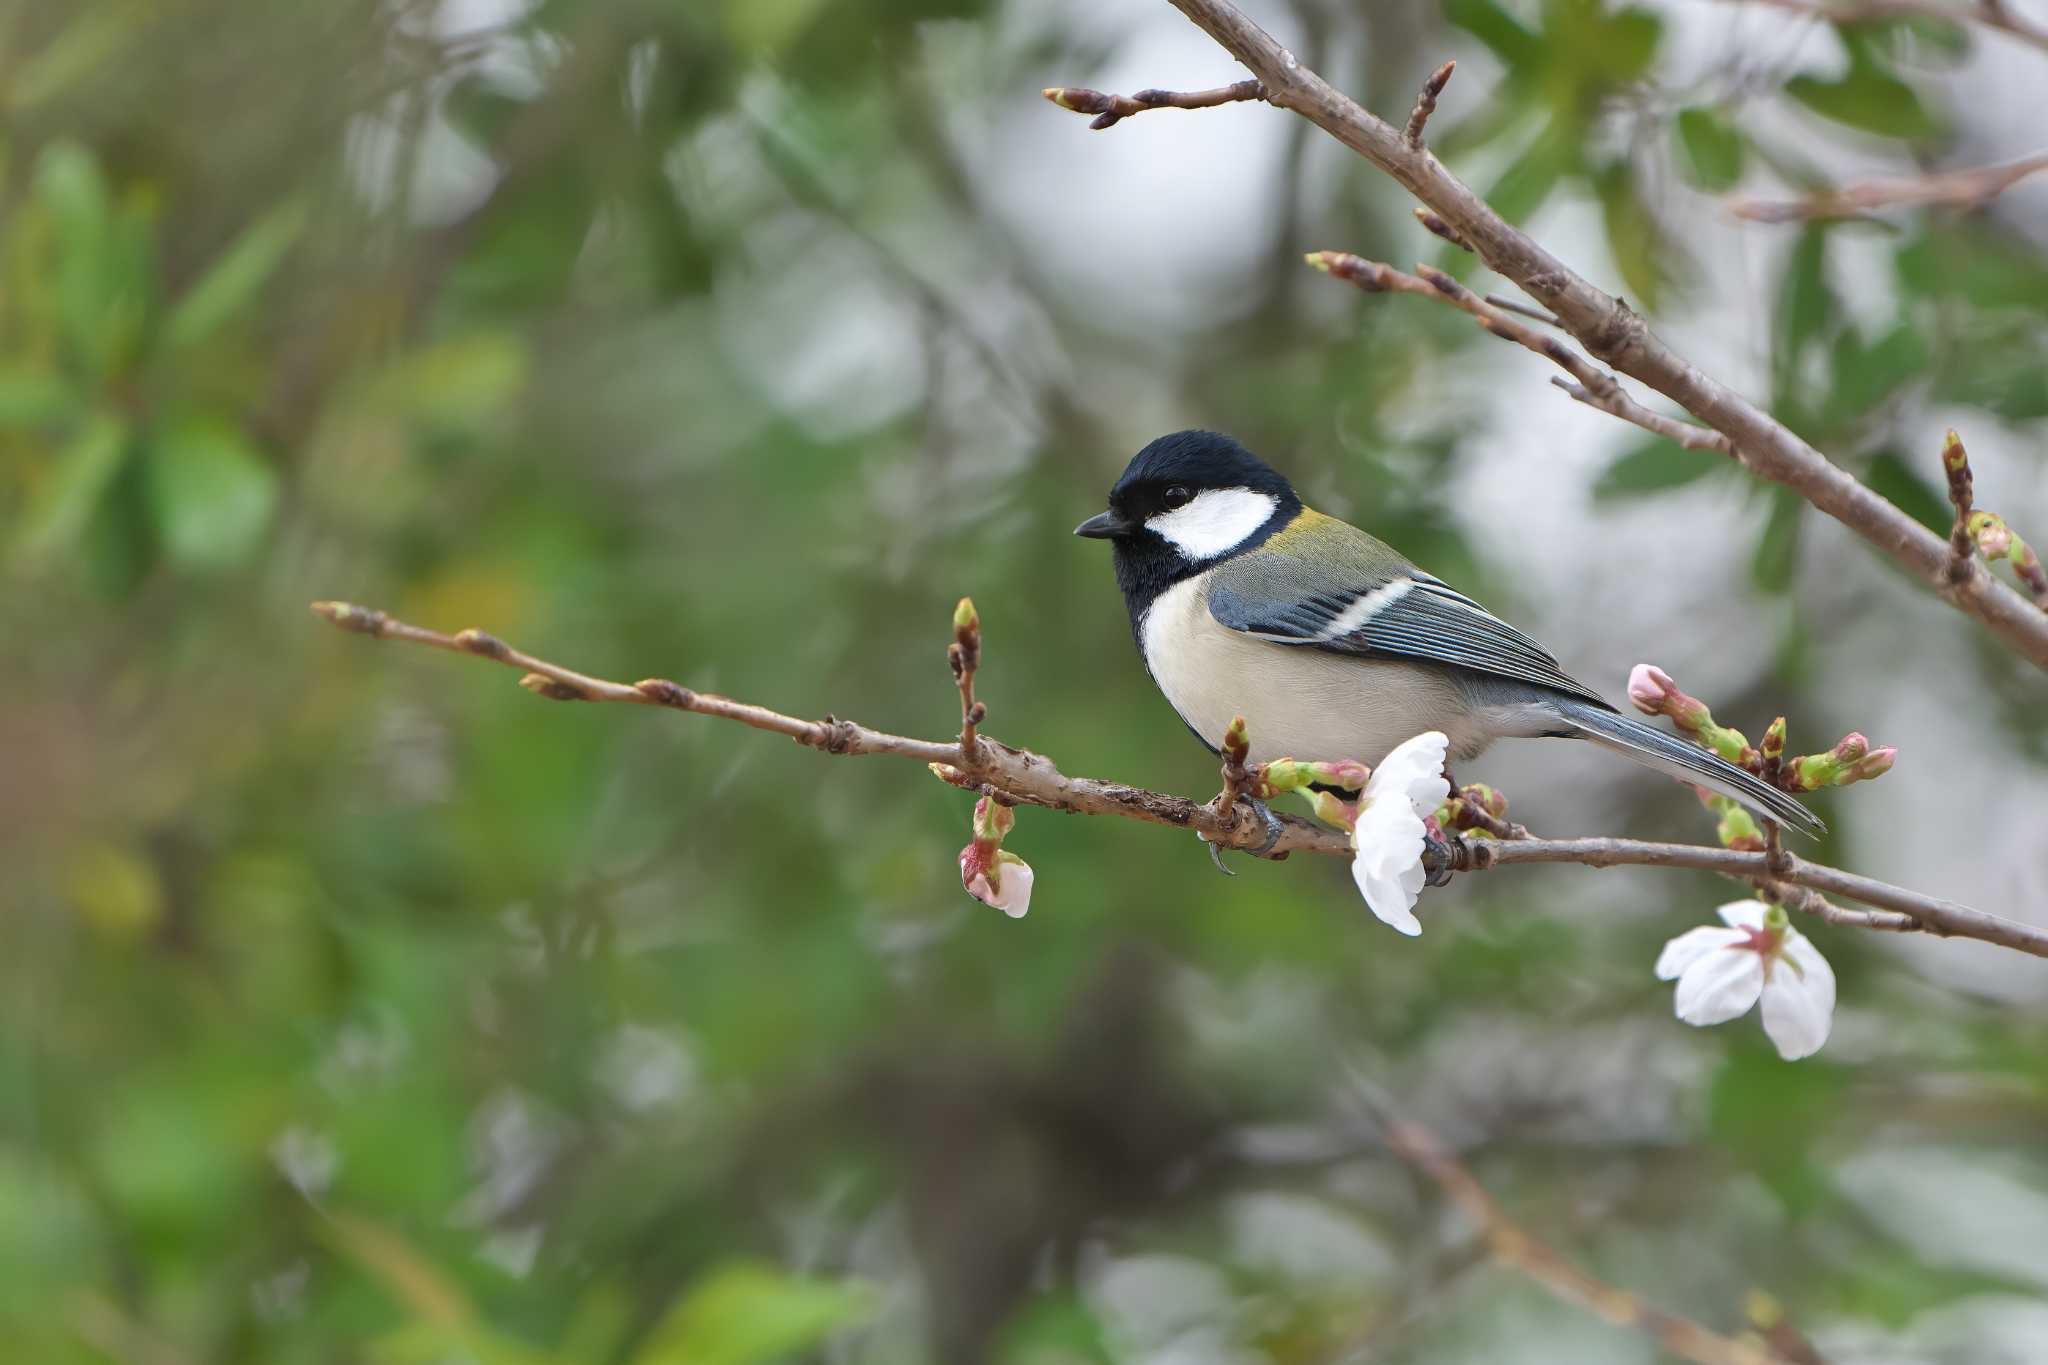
{"x": 1215, "y": 521}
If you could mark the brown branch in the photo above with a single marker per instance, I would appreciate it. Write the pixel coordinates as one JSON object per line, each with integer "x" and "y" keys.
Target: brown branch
{"x": 1614, "y": 334}
{"x": 1021, "y": 777}
{"x": 1589, "y": 384}
{"x": 1425, "y": 104}
{"x": 1513, "y": 1245}
{"x": 1952, "y": 189}
{"x": 1931, "y": 914}
{"x": 1989, "y": 14}
{"x": 1109, "y": 110}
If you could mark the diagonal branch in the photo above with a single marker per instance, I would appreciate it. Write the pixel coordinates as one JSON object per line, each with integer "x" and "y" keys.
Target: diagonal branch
{"x": 1021, "y": 777}
{"x": 1950, "y": 189}
{"x": 1614, "y": 334}
{"x": 1515, "y": 1246}
{"x": 1992, "y": 14}
{"x": 1589, "y": 383}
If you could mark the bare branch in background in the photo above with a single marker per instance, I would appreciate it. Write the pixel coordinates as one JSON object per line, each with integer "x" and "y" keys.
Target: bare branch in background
{"x": 1948, "y": 189}
{"x": 1991, "y": 14}
{"x": 1614, "y": 334}
{"x": 1513, "y": 1245}
{"x": 1594, "y": 386}
{"x": 1109, "y": 110}
{"x": 1020, "y": 777}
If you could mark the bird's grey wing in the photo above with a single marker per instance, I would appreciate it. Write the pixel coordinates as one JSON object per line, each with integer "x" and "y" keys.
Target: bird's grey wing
{"x": 1398, "y": 613}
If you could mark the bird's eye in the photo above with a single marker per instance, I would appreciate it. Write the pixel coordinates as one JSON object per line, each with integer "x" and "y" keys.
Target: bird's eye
{"x": 1176, "y": 498}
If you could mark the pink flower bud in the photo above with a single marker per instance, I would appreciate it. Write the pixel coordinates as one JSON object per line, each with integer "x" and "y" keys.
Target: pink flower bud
{"x": 1851, "y": 747}
{"x": 1649, "y": 687}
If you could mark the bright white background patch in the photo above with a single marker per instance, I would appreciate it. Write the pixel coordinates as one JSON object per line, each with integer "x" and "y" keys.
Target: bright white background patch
{"x": 1214, "y": 521}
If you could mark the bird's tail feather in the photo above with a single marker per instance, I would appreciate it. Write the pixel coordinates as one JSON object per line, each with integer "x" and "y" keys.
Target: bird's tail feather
{"x": 1687, "y": 762}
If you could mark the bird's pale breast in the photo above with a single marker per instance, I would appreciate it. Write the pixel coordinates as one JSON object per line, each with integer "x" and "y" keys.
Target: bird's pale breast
{"x": 1297, "y": 702}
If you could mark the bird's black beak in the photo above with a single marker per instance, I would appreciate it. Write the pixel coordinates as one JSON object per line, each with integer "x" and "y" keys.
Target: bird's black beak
{"x": 1102, "y": 526}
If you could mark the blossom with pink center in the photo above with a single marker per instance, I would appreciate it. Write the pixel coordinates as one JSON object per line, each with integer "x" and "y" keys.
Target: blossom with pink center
{"x": 1722, "y": 972}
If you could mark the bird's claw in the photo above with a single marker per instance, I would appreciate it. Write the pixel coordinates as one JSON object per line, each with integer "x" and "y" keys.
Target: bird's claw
{"x": 1438, "y": 855}
{"x": 1274, "y": 829}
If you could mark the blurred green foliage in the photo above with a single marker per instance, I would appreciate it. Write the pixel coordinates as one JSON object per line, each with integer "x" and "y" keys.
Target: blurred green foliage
{"x": 359, "y": 1007}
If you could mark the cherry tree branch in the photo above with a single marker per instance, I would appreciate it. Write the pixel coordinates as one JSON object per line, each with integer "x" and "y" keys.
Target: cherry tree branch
{"x": 1589, "y": 384}
{"x": 1513, "y": 1245}
{"x": 1952, "y": 189}
{"x": 1614, "y": 334}
{"x": 1991, "y": 14}
{"x": 1109, "y": 110}
{"x": 1015, "y": 776}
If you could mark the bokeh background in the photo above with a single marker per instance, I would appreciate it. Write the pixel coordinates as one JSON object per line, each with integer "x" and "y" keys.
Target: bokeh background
{"x": 361, "y": 1007}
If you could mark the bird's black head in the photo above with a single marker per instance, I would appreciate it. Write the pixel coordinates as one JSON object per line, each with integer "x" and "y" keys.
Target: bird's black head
{"x": 1184, "y": 502}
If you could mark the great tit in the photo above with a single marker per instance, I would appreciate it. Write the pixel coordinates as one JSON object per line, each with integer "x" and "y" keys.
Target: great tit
{"x": 1331, "y": 645}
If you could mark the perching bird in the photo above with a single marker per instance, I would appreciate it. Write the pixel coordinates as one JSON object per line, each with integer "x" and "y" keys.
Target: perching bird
{"x": 1330, "y": 644}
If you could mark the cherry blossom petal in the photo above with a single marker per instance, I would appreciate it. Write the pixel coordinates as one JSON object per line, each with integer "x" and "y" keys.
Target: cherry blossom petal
{"x": 1744, "y": 914}
{"x": 1799, "y": 999}
{"x": 1690, "y": 946}
{"x": 1415, "y": 769}
{"x": 1015, "y": 897}
{"x": 1388, "y": 863}
{"x": 1719, "y": 986}
{"x": 1797, "y": 1017}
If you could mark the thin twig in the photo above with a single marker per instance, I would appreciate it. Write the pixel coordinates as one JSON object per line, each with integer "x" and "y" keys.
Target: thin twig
{"x": 1109, "y": 110}
{"x": 1589, "y": 384}
{"x": 964, "y": 655}
{"x": 1515, "y": 1246}
{"x": 1976, "y": 530}
{"x": 1429, "y": 219}
{"x": 1025, "y": 778}
{"x": 1952, "y": 189}
{"x": 1992, "y": 16}
{"x": 1614, "y": 334}
{"x": 1425, "y": 104}
{"x": 1507, "y": 304}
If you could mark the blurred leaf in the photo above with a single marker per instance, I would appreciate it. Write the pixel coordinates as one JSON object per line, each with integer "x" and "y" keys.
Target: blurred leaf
{"x": 1978, "y": 263}
{"x": 1655, "y": 466}
{"x": 1776, "y": 558}
{"x": 1500, "y": 31}
{"x": 1893, "y": 476}
{"x": 33, "y": 398}
{"x": 1528, "y": 181}
{"x": 67, "y": 496}
{"x": 1712, "y": 147}
{"x": 1865, "y": 377}
{"x": 237, "y": 276}
{"x": 460, "y": 383}
{"x": 96, "y": 34}
{"x": 1805, "y": 310}
{"x": 1645, "y": 254}
{"x": 1621, "y": 44}
{"x": 1866, "y": 98}
{"x": 210, "y": 493}
{"x": 745, "y": 1314}
{"x": 72, "y": 191}
{"x": 116, "y": 890}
